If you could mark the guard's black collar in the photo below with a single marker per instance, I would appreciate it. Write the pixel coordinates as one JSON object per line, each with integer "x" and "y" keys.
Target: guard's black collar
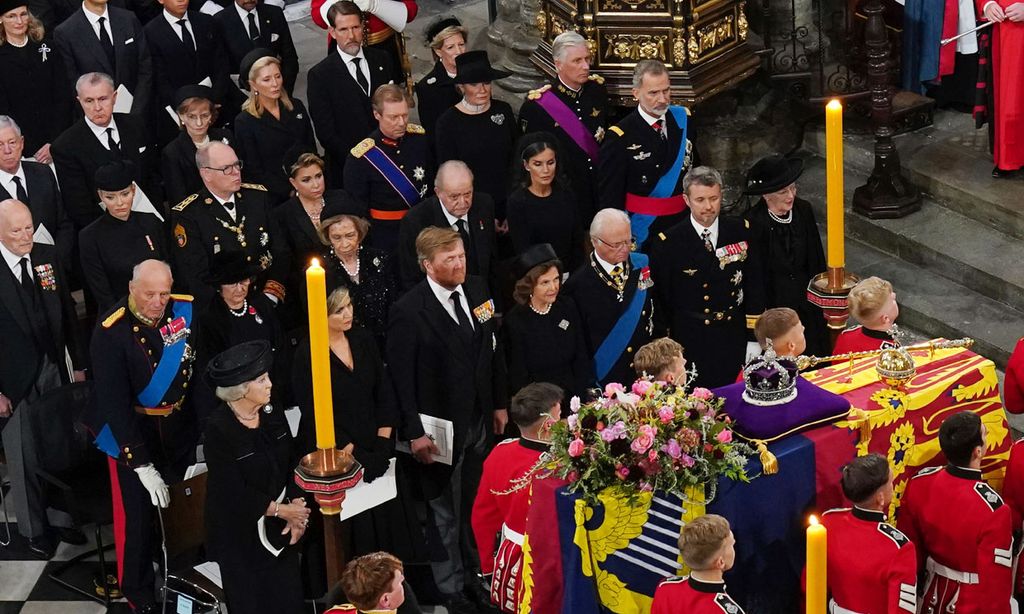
{"x": 963, "y": 472}
{"x": 876, "y": 334}
{"x": 539, "y": 446}
{"x": 869, "y": 515}
{"x": 706, "y": 587}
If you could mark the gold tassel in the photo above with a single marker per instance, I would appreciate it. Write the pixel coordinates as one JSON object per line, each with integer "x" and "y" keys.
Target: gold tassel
{"x": 769, "y": 464}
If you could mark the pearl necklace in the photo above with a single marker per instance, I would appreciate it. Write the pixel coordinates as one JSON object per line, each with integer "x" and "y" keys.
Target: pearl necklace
{"x": 475, "y": 108}
{"x": 241, "y": 312}
{"x": 541, "y": 312}
{"x": 314, "y": 217}
{"x": 781, "y": 220}
{"x": 353, "y": 274}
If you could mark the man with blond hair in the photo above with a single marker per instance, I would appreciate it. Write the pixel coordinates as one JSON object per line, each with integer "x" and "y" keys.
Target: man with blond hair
{"x": 707, "y": 547}
{"x": 662, "y": 360}
{"x": 873, "y": 305}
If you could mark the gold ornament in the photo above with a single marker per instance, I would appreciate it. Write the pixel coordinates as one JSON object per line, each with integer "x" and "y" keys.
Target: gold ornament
{"x": 895, "y": 367}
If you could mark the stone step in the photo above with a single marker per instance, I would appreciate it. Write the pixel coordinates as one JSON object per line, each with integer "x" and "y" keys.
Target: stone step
{"x": 946, "y": 243}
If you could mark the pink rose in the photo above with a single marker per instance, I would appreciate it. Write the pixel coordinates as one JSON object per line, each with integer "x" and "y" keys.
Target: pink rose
{"x": 612, "y": 388}
{"x": 652, "y": 455}
{"x": 647, "y": 429}
{"x": 573, "y": 476}
{"x": 686, "y": 460}
{"x": 725, "y": 436}
{"x": 641, "y": 386}
{"x": 622, "y": 473}
{"x": 641, "y": 443}
{"x": 666, "y": 415}
{"x": 702, "y": 393}
{"x": 672, "y": 448}
{"x": 576, "y": 447}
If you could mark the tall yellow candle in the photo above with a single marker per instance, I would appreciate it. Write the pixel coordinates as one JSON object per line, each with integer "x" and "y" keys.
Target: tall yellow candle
{"x": 834, "y": 179}
{"x": 817, "y": 566}
{"x": 319, "y": 354}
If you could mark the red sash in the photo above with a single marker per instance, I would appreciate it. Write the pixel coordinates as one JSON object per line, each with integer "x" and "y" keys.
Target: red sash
{"x": 649, "y": 205}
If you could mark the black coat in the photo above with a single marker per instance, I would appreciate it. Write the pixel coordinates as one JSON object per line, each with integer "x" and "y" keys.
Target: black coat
{"x": 708, "y": 305}
{"x": 77, "y": 153}
{"x": 274, "y": 35}
{"x": 341, "y": 110}
{"x": 479, "y": 257}
{"x": 36, "y": 92}
{"x": 82, "y": 53}
{"x": 178, "y": 165}
{"x": 21, "y": 321}
{"x": 440, "y": 371}
{"x": 548, "y": 348}
{"x": 110, "y": 249}
{"x": 435, "y": 94}
{"x": 262, "y": 142}
{"x": 373, "y": 295}
{"x": 44, "y": 200}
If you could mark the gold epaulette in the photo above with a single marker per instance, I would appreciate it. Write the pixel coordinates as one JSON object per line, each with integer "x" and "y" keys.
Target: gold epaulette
{"x": 598, "y": 79}
{"x": 661, "y": 236}
{"x": 114, "y": 317}
{"x": 616, "y": 130}
{"x": 255, "y": 186}
{"x": 687, "y": 109}
{"x": 537, "y": 93}
{"x": 181, "y": 206}
{"x": 414, "y": 129}
{"x": 185, "y": 298}
{"x": 362, "y": 147}
{"x": 752, "y": 321}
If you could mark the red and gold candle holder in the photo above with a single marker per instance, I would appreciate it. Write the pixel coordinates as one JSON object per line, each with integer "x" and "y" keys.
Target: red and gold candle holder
{"x": 327, "y": 474}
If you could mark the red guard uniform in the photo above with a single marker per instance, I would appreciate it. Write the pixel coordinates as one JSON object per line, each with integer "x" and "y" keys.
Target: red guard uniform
{"x": 872, "y": 566}
{"x": 683, "y": 595}
{"x": 860, "y": 339}
{"x": 504, "y": 514}
{"x": 1013, "y": 495}
{"x": 961, "y": 528}
{"x": 1013, "y": 385}
{"x": 378, "y": 34}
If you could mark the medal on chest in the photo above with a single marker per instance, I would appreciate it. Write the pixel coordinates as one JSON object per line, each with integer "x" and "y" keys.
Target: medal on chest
{"x": 239, "y": 230}
{"x": 174, "y": 331}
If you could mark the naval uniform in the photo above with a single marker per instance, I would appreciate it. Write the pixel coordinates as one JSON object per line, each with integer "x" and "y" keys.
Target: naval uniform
{"x": 368, "y": 185}
{"x": 688, "y": 595}
{"x": 110, "y": 248}
{"x": 709, "y": 297}
{"x": 962, "y": 530}
{"x": 872, "y": 566}
{"x": 137, "y": 424}
{"x": 204, "y": 227}
{"x": 590, "y": 105}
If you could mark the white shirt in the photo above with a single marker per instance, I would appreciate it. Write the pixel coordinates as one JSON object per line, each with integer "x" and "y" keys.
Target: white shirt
{"x": 14, "y": 262}
{"x": 607, "y": 266}
{"x": 244, "y": 16}
{"x": 7, "y": 181}
{"x": 233, "y": 210}
{"x": 171, "y": 19}
{"x": 94, "y": 20}
{"x": 352, "y": 66}
{"x": 452, "y": 219}
{"x": 101, "y": 132}
{"x": 444, "y": 297}
{"x": 650, "y": 119}
{"x": 700, "y": 230}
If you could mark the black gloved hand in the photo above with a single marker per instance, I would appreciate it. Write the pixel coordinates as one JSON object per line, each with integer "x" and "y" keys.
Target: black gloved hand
{"x": 385, "y": 446}
{"x": 374, "y": 463}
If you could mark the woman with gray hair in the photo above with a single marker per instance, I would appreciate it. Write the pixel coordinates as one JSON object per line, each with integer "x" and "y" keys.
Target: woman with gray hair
{"x": 255, "y": 514}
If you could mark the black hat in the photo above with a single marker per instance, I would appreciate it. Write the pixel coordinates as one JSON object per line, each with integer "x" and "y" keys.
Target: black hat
{"x": 185, "y": 92}
{"x": 114, "y": 176}
{"x": 246, "y": 66}
{"x": 439, "y": 24}
{"x": 10, "y": 5}
{"x": 537, "y": 254}
{"x": 772, "y": 173}
{"x": 337, "y": 202}
{"x": 230, "y": 267}
{"x": 475, "y": 67}
{"x": 241, "y": 363}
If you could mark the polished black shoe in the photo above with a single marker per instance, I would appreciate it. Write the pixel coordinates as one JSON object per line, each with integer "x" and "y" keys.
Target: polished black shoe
{"x": 999, "y": 173}
{"x": 43, "y": 547}
{"x": 458, "y": 604}
{"x": 72, "y": 535}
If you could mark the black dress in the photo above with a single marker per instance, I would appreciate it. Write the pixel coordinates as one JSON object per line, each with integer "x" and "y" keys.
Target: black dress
{"x": 109, "y": 249}
{"x": 262, "y": 142}
{"x": 791, "y": 254}
{"x": 435, "y": 94}
{"x": 485, "y": 142}
{"x": 548, "y": 348}
{"x": 553, "y": 219}
{"x": 249, "y": 468}
{"x": 373, "y": 294}
{"x": 178, "y": 165}
{"x": 35, "y": 91}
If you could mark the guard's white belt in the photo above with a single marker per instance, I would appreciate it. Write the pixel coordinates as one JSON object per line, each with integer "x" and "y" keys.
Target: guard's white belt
{"x": 512, "y": 536}
{"x": 962, "y": 577}
{"x": 835, "y": 608}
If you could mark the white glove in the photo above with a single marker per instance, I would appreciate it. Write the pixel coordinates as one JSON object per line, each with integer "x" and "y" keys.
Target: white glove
{"x": 152, "y": 481}
{"x": 753, "y": 349}
{"x": 273, "y": 299}
{"x": 365, "y": 6}
{"x": 391, "y": 12}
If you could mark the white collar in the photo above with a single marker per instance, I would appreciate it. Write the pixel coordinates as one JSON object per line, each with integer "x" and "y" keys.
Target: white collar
{"x": 19, "y": 172}
{"x": 444, "y": 294}
{"x": 700, "y": 229}
{"x": 171, "y": 19}
{"x": 223, "y": 200}
{"x": 101, "y": 131}
{"x": 244, "y": 14}
{"x": 12, "y": 260}
{"x": 348, "y": 58}
{"x": 93, "y": 17}
{"x": 650, "y": 119}
{"x": 451, "y": 218}
{"x": 607, "y": 266}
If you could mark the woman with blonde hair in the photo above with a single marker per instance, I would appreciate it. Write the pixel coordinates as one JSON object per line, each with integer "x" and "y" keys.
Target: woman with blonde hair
{"x": 34, "y": 87}
{"x": 436, "y": 92}
{"x": 270, "y": 124}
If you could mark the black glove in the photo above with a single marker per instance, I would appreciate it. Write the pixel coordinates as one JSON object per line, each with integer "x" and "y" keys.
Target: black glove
{"x": 374, "y": 463}
{"x": 385, "y": 446}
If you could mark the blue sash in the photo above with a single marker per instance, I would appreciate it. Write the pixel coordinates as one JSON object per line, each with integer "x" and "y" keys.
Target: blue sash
{"x": 393, "y": 175}
{"x": 666, "y": 186}
{"x": 167, "y": 368}
{"x": 620, "y": 334}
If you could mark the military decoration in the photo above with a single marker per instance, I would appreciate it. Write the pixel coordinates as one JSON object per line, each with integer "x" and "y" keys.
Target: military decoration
{"x": 734, "y": 252}
{"x": 173, "y": 331}
{"x": 737, "y": 278}
{"x": 645, "y": 279}
{"x": 264, "y": 239}
{"x": 180, "y": 236}
{"x": 418, "y": 173}
{"x": 239, "y": 230}
{"x": 47, "y": 280}
{"x": 255, "y": 315}
{"x": 484, "y": 311}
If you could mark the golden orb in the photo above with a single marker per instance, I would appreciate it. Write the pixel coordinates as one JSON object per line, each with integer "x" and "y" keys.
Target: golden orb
{"x": 895, "y": 367}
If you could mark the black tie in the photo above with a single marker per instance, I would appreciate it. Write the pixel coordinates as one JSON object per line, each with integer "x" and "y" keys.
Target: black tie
{"x": 108, "y": 47}
{"x": 26, "y": 277}
{"x": 19, "y": 190}
{"x": 360, "y": 77}
{"x": 186, "y": 37}
{"x": 254, "y": 31}
{"x": 112, "y": 145}
{"x": 657, "y": 128}
{"x": 460, "y": 313}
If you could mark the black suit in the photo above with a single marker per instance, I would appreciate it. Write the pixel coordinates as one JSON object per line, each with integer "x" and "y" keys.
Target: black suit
{"x": 47, "y": 207}
{"x": 479, "y": 255}
{"x": 77, "y": 153}
{"x": 80, "y": 47}
{"x": 341, "y": 109}
{"x": 274, "y": 35}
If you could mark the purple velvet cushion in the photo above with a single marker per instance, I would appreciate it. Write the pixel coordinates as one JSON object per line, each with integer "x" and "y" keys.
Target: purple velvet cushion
{"x": 812, "y": 407}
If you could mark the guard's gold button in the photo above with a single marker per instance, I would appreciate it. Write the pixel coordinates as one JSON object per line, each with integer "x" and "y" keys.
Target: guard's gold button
{"x": 135, "y": 329}
{"x": 629, "y": 349}
{"x": 706, "y": 322}
{"x": 706, "y": 297}
{"x": 706, "y": 310}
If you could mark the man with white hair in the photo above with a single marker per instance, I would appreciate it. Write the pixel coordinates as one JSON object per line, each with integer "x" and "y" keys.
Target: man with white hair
{"x": 574, "y": 108}
{"x": 611, "y": 292}
{"x": 36, "y": 325}
{"x": 143, "y": 419}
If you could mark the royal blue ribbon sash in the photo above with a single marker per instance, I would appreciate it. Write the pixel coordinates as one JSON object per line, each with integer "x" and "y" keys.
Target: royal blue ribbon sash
{"x": 619, "y": 336}
{"x": 641, "y": 223}
{"x": 393, "y": 175}
{"x": 170, "y": 360}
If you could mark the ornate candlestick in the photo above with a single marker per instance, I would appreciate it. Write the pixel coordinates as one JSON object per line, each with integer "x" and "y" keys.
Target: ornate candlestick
{"x": 327, "y": 474}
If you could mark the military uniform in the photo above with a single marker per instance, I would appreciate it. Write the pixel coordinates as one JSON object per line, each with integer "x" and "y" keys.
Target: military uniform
{"x": 203, "y": 227}
{"x": 860, "y": 339}
{"x": 590, "y": 105}
{"x": 411, "y": 154}
{"x": 137, "y": 422}
{"x": 688, "y": 595}
{"x": 709, "y": 299}
{"x": 110, "y": 249}
{"x": 962, "y": 530}
{"x": 865, "y": 551}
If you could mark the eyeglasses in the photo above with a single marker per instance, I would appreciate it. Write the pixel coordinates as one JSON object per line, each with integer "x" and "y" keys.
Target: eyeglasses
{"x": 230, "y": 169}
{"x": 199, "y": 119}
{"x": 619, "y": 245}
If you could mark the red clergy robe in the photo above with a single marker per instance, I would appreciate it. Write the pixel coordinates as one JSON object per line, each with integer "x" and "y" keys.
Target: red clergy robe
{"x": 1008, "y": 86}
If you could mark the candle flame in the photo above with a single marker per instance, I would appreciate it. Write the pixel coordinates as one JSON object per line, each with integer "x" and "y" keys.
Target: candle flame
{"x": 834, "y": 104}
{"x": 314, "y": 262}
{"x": 812, "y": 520}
